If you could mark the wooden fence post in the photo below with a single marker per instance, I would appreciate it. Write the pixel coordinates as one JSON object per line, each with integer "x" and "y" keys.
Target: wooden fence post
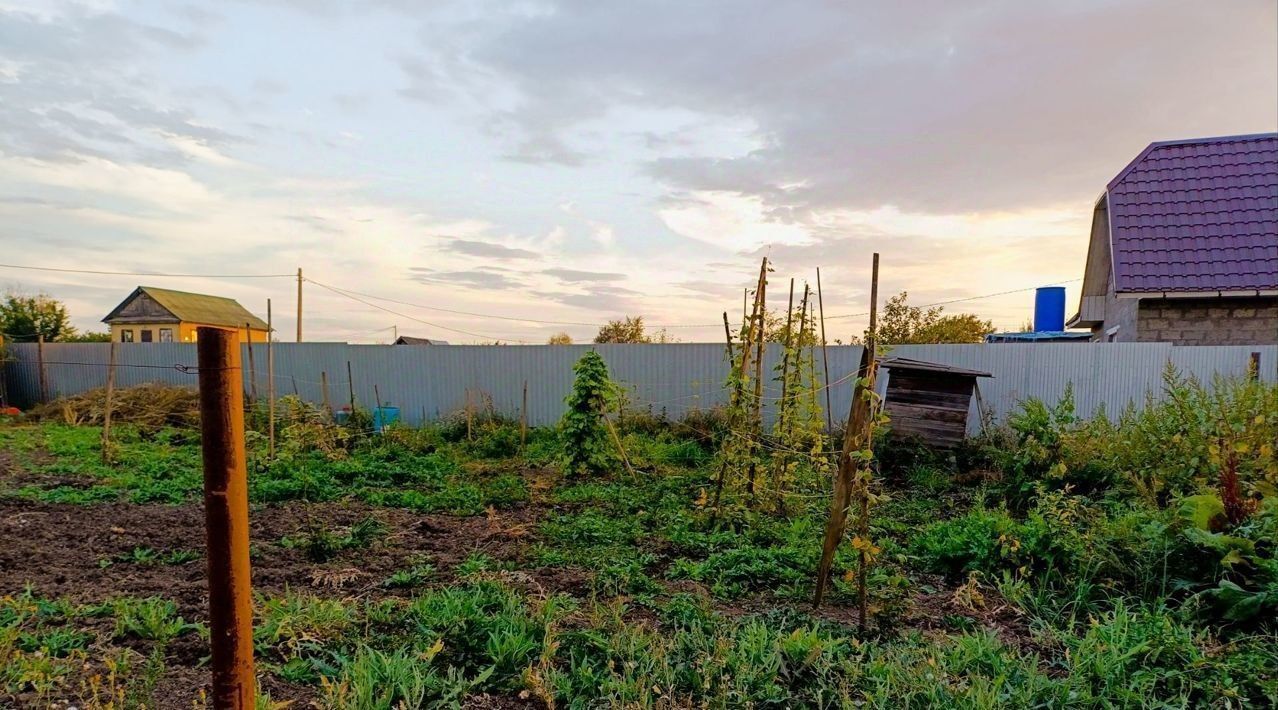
{"x": 226, "y": 518}
{"x": 106, "y": 407}
{"x": 270, "y": 383}
{"x": 523, "y": 420}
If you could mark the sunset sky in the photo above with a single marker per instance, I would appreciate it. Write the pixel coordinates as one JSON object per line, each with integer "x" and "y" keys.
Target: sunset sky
{"x": 579, "y": 161}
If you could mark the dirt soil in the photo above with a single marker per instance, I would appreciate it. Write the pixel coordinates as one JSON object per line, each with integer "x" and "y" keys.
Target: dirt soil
{"x": 64, "y": 550}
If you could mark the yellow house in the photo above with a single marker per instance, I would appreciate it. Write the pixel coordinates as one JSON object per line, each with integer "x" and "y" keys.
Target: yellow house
{"x": 159, "y": 315}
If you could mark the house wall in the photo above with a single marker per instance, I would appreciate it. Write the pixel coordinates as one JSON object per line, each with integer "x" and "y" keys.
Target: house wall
{"x": 1208, "y": 321}
{"x": 182, "y": 332}
{"x": 1120, "y": 313}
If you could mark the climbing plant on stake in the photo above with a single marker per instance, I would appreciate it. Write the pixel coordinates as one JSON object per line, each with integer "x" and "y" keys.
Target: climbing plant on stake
{"x": 853, "y": 477}
{"x": 587, "y": 449}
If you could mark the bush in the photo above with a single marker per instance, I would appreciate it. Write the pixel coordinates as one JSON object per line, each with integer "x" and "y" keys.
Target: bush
{"x": 587, "y": 449}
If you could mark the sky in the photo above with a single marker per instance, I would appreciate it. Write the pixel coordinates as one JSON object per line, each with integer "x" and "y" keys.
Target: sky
{"x": 562, "y": 163}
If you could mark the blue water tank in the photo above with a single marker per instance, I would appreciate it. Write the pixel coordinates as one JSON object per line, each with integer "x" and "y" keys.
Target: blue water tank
{"x": 1049, "y": 309}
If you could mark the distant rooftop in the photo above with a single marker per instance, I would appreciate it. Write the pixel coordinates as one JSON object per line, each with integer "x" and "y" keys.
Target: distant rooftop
{"x": 196, "y": 308}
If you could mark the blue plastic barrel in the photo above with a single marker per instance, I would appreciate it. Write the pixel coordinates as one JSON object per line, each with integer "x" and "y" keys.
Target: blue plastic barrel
{"x": 384, "y": 417}
{"x": 1049, "y": 309}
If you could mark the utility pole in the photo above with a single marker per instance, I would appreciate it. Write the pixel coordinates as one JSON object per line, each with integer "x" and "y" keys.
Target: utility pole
{"x": 226, "y": 518}
{"x": 299, "y": 304}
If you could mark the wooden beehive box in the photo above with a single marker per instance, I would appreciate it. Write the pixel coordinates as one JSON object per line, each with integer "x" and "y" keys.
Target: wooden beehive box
{"x": 929, "y": 400}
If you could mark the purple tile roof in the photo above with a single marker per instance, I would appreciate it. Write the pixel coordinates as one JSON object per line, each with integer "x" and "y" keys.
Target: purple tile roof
{"x": 1197, "y": 215}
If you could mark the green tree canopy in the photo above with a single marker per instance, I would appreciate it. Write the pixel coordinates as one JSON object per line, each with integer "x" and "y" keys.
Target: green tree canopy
{"x": 903, "y": 324}
{"x": 23, "y": 318}
{"x": 627, "y": 330}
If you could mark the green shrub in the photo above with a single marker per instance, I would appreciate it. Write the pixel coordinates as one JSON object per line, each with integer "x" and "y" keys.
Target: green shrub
{"x": 587, "y": 448}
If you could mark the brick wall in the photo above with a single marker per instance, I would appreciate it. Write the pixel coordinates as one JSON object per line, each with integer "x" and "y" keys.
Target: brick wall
{"x": 1209, "y": 321}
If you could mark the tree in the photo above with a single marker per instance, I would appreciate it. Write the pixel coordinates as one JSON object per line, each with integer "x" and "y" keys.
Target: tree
{"x": 23, "y": 318}
{"x": 630, "y": 330}
{"x": 87, "y": 338}
{"x": 902, "y": 324}
{"x": 560, "y": 338}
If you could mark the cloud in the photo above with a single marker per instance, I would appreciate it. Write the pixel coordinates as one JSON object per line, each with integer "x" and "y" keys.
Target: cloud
{"x": 579, "y": 276}
{"x": 487, "y": 250}
{"x": 480, "y": 278}
{"x": 1003, "y": 104}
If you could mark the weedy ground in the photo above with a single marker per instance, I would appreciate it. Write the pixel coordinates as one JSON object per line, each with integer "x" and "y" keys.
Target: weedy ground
{"x": 1063, "y": 562}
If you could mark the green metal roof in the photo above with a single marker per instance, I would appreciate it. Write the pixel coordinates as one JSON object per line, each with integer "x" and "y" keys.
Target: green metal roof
{"x": 197, "y": 308}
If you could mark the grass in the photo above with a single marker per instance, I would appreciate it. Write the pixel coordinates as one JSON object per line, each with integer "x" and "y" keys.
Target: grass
{"x": 1039, "y": 586}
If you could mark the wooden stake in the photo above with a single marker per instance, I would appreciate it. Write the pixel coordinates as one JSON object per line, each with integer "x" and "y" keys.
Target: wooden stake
{"x": 44, "y": 383}
{"x": 380, "y": 416}
{"x": 855, "y": 438}
{"x": 248, "y": 334}
{"x": 328, "y": 407}
{"x": 735, "y": 397}
{"x": 784, "y": 410}
{"x": 468, "y": 416}
{"x": 762, "y": 298}
{"x": 270, "y": 382}
{"x": 106, "y": 409}
{"x": 226, "y": 518}
{"x": 825, "y": 359}
{"x": 350, "y": 384}
{"x": 295, "y": 392}
{"x": 727, "y": 334}
{"x": 299, "y": 304}
{"x": 523, "y": 420}
{"x": 617, "y": 441}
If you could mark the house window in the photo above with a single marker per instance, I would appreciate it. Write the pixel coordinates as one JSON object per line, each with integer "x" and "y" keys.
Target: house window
{"x": 146, "y": 335}
{"x": 1111, "y": 335}
{"x": 126, "y": 336}
{"x": 166, "y": 335}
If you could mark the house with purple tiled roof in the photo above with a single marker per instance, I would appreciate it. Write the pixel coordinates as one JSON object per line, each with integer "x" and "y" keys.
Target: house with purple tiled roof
{"x": 1184, "y": 246}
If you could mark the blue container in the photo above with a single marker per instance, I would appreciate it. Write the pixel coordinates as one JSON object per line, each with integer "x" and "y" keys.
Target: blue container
{"x": 1049, "y": 309}
{"x": 384, "y": 417}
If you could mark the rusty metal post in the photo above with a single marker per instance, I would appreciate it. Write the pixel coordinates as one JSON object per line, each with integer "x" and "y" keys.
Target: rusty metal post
{"x": 226, "y": 518}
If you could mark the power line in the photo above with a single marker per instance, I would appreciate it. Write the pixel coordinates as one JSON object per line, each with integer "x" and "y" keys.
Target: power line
{"x": 966, "y": 298}
{"x": 147, "y": 273}
{"x": 511, "y": 318}
{"x": 350, "y": 295}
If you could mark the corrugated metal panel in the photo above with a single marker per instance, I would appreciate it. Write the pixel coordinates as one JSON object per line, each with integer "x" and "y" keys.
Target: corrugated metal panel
{"x": 431, "y": 381}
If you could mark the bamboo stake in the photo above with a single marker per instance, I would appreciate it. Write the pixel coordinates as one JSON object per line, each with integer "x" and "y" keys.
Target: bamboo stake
{"x": 825, "y": 359}
{"x": 106, "y": 410}
{"x": 617, "y": 441}
{"x": 328, "y": 406}
{"x": 226, "y": 519}
{"x": 762, "y": 299}
{"x": 727, "y": 332}
{"x": 270, "y": 382}
{"x": 855, "y": 438}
